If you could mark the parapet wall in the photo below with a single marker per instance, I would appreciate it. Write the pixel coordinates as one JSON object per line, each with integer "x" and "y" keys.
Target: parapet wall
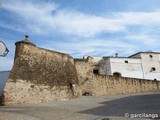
{"x": 107, "y": 85}
{"x": 92, "y": 84}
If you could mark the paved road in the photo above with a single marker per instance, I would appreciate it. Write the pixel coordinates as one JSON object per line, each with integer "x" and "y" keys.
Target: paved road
{"x": 113, "y": 107}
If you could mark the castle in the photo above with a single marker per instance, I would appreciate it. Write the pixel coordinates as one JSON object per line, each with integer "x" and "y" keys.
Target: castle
{"x": 41, "y": 75}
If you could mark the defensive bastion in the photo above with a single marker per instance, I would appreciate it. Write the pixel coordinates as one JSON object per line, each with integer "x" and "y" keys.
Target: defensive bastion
{"x": 41, "y": 75}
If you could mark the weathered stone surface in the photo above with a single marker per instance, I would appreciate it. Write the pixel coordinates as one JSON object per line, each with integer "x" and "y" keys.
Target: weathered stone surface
{"x": 84, "y": 69}
{"x": 105, "y": 85}
{"x": 23, "y": 91}
{"x": 39, "y": 75}
{"x": 41, "y": 66}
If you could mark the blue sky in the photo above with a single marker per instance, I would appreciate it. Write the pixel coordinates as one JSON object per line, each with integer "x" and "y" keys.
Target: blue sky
{"x": 81, "y": 27}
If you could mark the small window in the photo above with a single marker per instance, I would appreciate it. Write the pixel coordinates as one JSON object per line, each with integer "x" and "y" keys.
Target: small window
{"x": 153, "y": 69}
{"x": 126, "y": 61}
{"x": 96, "y": 71}
{"x": 150, "y": 56}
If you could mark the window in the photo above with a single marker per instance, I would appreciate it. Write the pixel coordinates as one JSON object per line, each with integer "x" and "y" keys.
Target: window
{"x": 126, "y": 61}
{"x": 153, "y": 69}
{"x": 95, "y": 71}
{"x": 150, "y": 56}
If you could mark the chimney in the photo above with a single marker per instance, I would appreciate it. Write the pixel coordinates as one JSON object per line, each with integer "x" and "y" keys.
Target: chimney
{"x": 116, "y": 55}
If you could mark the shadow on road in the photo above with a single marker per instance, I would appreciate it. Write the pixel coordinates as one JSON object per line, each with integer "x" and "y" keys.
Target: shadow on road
{"x": 139, "y": 104}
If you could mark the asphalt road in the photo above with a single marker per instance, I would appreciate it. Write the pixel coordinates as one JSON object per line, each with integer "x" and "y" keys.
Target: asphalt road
{"x": 112, "y": 107}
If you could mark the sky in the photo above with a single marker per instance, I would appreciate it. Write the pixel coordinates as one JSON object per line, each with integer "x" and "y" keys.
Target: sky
{"x": 81, "y": 27}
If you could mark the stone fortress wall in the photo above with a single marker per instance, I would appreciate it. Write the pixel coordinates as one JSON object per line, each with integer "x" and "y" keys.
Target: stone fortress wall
{"x": 41, "y": 75}
{"x": 91, "y": 84}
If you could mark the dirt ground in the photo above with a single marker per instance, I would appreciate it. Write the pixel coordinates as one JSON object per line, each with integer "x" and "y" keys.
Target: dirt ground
{"x": 144, "y": 105}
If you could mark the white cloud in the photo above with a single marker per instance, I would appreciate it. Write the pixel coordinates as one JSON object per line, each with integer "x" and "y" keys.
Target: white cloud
{"x": 146, "y": 39}
{"x": 140, "y": 18}
{"x": 72, "y": 22}
{"x": 41, "y": 17}
{"x": 96, "y": 47}
{"x": 12, "y": 26}
{"x": 36, "y": 16}
{"x": 29, "y": 9}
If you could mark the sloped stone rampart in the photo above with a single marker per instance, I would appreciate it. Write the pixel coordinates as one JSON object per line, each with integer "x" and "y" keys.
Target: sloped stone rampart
{"x": 39, "y": 75}
{"x": 42, "y": 66}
